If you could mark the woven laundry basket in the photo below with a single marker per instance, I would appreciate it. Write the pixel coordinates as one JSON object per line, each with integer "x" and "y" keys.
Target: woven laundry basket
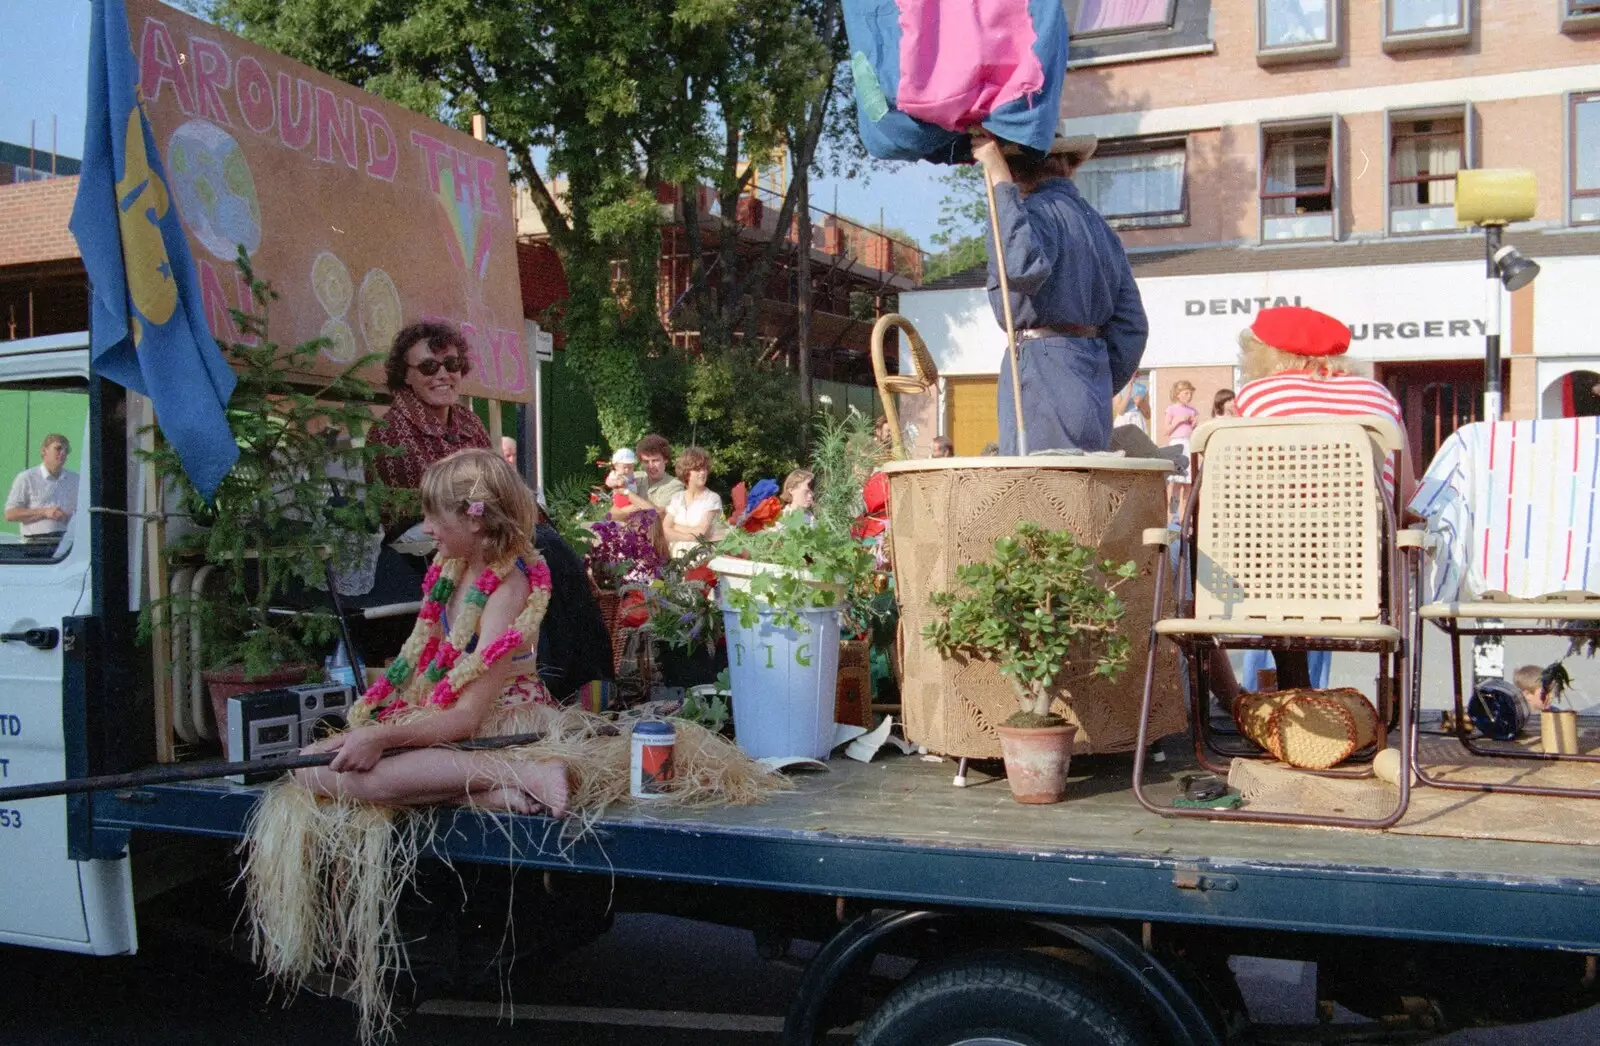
{"x": 947, "y": 512}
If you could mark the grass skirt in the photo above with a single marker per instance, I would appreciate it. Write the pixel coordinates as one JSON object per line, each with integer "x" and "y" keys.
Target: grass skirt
{"x": 324, "y": 876}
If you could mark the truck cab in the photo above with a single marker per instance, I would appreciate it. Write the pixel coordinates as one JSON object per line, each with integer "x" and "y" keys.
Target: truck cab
{"x": 58, "y": 893}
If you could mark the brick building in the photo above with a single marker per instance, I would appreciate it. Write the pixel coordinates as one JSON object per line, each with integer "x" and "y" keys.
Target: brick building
{"x": 1258, "y": 152}
{"x": 43, "y": 289}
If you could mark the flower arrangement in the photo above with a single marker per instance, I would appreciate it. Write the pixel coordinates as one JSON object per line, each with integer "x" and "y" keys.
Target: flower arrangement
{"x": 683, "y": 613}
{"x": 621, "y": 554}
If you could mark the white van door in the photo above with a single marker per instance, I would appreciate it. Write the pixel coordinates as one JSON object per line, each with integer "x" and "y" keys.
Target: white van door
{"x": 46, "y": 899}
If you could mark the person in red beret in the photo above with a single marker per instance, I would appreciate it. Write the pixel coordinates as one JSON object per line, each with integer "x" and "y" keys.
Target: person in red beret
{"x": 1294, "y": 363}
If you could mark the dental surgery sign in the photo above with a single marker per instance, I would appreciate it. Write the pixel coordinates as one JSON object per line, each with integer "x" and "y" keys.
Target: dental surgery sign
{"x": 362, "y": 215}
{"x": 1395, "y": 312}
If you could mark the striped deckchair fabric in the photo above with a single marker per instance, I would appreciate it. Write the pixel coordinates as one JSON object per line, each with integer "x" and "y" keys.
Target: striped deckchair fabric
{"x": 1511, "y": 507}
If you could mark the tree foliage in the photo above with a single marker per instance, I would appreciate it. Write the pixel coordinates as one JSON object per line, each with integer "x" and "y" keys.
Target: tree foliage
{"x": 963, "y": 224}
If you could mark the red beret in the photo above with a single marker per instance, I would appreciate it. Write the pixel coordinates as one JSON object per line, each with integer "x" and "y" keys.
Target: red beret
{"x": 1301, "y": 331}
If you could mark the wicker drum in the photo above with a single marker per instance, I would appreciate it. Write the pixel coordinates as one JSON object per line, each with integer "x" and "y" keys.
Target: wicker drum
{"x": 945, "y": 513}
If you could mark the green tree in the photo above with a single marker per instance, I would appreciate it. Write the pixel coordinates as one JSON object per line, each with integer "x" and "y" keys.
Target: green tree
{"x": 963, "y": 224}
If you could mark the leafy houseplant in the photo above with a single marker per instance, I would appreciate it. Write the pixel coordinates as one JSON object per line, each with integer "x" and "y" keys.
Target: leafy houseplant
{"x": 1040, "y": 606}
{"x": 296, "y": 496}
{"x": 820, "y": 563}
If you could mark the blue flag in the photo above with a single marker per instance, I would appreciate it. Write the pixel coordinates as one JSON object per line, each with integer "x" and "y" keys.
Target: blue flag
{"x": 147, "y": 328}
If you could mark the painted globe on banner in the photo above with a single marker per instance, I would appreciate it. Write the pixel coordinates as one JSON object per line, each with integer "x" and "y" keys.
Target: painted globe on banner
{"x": 215, "y": 191}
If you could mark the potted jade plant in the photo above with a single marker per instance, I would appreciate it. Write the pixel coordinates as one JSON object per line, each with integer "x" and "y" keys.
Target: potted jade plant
{"x": 295, "y": 498}
{"x": 788, "y": 591}
{"x": 1042, "y": 610}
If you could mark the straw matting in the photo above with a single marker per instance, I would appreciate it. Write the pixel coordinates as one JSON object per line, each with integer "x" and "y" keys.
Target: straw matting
{"x": 943, "y": 518}
{"x": 1434, "y": 811}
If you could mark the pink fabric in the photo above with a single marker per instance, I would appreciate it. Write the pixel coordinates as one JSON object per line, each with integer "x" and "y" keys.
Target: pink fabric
{"x": 962, "y": 59}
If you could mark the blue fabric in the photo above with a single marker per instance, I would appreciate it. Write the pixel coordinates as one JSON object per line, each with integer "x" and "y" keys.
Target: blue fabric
{"x": 1065, "y": 266}
{"x": 1319, "y": 664}
{"x": 873, "y": 27}
{"x": 1066, "y": 396}
{"x": 764, "y": 489}
{"x": 147, "y": 328}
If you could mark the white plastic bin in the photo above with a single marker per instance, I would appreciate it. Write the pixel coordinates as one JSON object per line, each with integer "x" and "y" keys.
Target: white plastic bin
{"x": 784, "y": 680}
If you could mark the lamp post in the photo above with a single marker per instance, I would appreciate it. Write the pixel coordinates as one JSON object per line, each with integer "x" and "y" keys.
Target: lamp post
{"x": 1492, "y": 199}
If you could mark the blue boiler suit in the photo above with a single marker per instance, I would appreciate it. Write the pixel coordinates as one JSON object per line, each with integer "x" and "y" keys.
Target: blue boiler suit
{"x": 1065, "y": 267}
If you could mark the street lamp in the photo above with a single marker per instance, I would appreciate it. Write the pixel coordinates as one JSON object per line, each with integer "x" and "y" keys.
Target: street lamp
{"x": 1493, "y": 199}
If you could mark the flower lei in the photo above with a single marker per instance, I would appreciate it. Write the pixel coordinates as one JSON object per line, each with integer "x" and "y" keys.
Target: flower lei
{"x": 431, "y": 669}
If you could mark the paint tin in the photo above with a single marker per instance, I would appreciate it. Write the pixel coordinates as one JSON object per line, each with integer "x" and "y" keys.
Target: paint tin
{"x": 650, "y": 770}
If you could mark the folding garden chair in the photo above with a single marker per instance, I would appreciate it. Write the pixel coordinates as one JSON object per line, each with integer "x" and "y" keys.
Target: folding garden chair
{"x": 1288, "y": 544}
{"x": 1511, "y": 548}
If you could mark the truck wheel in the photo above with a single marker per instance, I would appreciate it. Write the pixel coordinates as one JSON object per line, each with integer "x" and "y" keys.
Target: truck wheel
{"x": 1001, "y": 999}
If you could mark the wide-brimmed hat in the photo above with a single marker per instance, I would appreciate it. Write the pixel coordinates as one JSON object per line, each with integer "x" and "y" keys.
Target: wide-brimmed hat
{"x": 1080, "y": 145}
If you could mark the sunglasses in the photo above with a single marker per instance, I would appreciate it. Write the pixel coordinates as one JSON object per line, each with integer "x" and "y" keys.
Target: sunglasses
{"x": 454, "y": 364}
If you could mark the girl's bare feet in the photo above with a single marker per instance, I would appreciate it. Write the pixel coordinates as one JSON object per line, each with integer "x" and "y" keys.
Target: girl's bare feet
{"x": 529, "y": 788}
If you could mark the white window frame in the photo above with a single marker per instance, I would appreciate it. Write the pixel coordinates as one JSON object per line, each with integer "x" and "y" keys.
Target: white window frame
{"x": 1075, "y": 6}
{"x": 1569, "y": 167}
{"x": 1332, "y": 126}
{"x": 1137, "y": 146}
{"x": 1579, "y": 16}
{"x": 1469, "y": 158}
{"x": 1319, "y": 50}
{"x": 1415, "y": 39}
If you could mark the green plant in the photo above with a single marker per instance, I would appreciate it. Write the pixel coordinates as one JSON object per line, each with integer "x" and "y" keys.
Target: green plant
{"x": 570, "y": 510}
{"x": 711, "y": 709}
{"x": 1039, "y": 605}
{"x": 296, "y": 496}
{"x": 815, "y": 558}
{"x": 682, "y": 613}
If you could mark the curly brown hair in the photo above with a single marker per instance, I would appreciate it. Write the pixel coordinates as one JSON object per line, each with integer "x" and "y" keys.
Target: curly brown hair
{"x": 441, "y": 337}
{"x": 692, "y": 458}
{"x": 655, "y": 446}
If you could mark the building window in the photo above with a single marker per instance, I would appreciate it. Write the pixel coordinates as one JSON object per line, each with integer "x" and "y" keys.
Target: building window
{"x": 1583, "y": 145}
{"x": 1411, "y": 24}
{"x": 1425, "y": 152}
{"x": 1138, "y": 184}
{"x": 1580, "y": 16}
{"x": 1296, "y": 30}
{"x": 1109, "y": 17}
{"x": 1297, "y": 182}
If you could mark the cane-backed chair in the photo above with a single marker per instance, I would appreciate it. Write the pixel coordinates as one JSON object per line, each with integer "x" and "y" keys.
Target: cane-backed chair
{"x": 1288, "y": 544}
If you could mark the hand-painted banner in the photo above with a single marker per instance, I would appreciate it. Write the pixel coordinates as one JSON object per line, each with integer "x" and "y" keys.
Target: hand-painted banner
{"x": 363, "y": 215}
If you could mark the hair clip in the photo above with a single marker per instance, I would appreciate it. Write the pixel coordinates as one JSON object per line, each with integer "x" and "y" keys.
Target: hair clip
{"x": 474, "y": 508}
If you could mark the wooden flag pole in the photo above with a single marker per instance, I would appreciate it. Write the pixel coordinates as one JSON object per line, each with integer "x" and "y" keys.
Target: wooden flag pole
{"x": 1011, "y": 327}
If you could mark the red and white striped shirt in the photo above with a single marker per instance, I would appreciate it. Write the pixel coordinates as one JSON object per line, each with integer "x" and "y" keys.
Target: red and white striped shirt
{"x": 1296, "y": 392}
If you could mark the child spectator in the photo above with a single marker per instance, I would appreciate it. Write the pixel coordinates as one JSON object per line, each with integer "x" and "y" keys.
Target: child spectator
{"x": 1530, "y": 680}
{"x": 621, "y": 481}
{"x": 1222, "y": 405}
{"x": 1178, "y": 425}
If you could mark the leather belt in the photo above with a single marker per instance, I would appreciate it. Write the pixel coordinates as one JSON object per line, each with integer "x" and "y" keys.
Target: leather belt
{"x": 1064, "y": 330}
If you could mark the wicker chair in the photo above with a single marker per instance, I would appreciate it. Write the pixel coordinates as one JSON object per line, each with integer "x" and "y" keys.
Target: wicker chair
{"x": 1288, "y": 544}
{"x": 1470, "y": 599}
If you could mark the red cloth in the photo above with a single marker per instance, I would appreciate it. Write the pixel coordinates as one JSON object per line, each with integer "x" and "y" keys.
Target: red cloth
{"x": 876, "y": 519}
{"x": 764, "y": 516}
{"x": 409, "y": 426}
{"x": 1301, "y": 331}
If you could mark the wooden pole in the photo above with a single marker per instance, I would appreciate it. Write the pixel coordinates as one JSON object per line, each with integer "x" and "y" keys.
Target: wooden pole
{"x": 480, "y": 131}
{"x": 1011, "y": 328}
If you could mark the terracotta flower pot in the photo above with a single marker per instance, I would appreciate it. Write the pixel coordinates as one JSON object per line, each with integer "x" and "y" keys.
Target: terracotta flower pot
{"x": 1037, "y": 759}
{"x": 223, "y": 683}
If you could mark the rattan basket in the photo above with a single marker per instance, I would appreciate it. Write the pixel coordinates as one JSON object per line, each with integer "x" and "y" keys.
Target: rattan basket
{"x": 945, "y": 513}
{"x": 1310, "y": 729}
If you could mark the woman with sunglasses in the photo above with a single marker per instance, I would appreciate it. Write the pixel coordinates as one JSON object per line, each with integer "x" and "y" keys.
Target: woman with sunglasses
{"x": 426, "y": 365}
